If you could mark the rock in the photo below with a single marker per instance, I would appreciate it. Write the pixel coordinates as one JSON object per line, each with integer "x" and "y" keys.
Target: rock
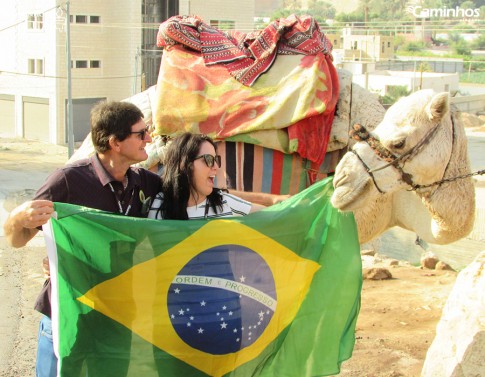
{"x": 458, "y": 348}
{"x": 443, "y": 266}
{"x": 376, "y": 273}
{"x": 369, "y": 252}
{"x": 429, "y": 260}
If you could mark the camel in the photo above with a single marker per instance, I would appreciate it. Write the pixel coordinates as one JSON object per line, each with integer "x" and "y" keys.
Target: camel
{"x": 391, "y": 194}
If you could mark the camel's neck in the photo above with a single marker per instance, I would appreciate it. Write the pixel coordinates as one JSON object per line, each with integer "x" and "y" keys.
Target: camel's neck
{"x": 374, "y": 219}
{"x": 452, "y": 204}
{"x": 452, "y": 207}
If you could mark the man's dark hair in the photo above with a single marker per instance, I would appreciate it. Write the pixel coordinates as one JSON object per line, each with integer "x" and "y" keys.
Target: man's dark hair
{"x": 178, "y": 176}
{"x": 112, "y": 119}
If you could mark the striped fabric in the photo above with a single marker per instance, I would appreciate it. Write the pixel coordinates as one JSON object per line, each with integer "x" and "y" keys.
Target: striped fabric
{"x": 254, "y": 168}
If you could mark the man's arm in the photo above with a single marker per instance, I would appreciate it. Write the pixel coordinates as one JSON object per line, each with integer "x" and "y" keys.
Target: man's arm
{"x": 259, "y": 197}
{"x": 21, "y": 224}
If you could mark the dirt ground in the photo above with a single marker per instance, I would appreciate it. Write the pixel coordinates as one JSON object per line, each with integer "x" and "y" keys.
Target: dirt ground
{"x": 396, "y": 325}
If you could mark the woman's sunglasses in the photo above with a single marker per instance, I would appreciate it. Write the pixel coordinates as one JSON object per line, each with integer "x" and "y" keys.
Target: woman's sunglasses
{"x": 210, "y": 160}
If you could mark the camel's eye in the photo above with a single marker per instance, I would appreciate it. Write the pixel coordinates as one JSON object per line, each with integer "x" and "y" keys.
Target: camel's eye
{"x": 399, "y": 144}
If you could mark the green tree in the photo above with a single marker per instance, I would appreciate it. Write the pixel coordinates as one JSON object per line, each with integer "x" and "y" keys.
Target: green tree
{"x": 455, "y": 37}
{"x": 383, "y": 10}
{"x": 394, "y": 92}
{"x": 464, "y": 28}
{"x": 413, "y": 46}
{"x": 461, "y": 48}
{"x": 281, "y": 13}
{"x": 399, "y": 42}
{"x": 321, "y": 10}
{"x": 479, "y": 43}
{"x": 355, "y": 16}
{"x": 318, "y": 9}
{"x": 468, "y": 5}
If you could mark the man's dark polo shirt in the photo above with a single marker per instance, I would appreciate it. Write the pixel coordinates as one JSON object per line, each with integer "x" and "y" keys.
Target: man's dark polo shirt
{"x": 86, "y": 183}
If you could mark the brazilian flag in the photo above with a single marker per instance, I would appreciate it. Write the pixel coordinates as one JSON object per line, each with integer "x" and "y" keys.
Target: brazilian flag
{"x": 275, "y": 293}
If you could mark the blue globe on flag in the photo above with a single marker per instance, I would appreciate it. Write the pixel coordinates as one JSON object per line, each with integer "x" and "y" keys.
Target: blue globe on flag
{"x": 222, "y": 300}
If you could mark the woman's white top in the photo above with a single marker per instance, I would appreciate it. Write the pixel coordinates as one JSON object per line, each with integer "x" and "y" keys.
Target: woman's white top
{"x": 231, "y": 206}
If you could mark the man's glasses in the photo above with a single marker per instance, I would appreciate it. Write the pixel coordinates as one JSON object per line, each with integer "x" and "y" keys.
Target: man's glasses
{"x": 142, "y": 133}
{"x": 210, "y": 160}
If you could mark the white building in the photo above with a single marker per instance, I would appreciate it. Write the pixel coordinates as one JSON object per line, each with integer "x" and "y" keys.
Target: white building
{"x": 105, "y": 40}
{"x": 105, "y": 44}
{"x": 380, "y": 81}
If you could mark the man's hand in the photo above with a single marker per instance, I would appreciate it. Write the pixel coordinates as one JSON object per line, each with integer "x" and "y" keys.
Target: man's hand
{"x": 33, "y": 214}
{"x": 22, "y": 223}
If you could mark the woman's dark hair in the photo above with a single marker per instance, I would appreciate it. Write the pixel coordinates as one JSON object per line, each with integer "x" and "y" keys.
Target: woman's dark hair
{"x": 112, "y": 119}
{"x": 177, "y": 176}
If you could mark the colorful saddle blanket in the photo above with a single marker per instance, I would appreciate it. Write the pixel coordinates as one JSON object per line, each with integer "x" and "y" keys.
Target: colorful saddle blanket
{"x": 290, "y": 108}
{"x": 254, "y": 168}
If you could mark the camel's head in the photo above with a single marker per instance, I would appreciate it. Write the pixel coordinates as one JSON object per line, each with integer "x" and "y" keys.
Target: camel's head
{"x": 415, "y": 135}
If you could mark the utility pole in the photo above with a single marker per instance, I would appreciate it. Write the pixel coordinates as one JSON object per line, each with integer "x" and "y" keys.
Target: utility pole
{"x": 69, "y": 118}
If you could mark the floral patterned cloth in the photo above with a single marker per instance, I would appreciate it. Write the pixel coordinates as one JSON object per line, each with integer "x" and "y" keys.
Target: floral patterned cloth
{"x": 290, "y": 108}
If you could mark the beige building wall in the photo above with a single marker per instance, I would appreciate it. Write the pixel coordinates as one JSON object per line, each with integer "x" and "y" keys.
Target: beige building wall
{"x": 336, "y": 40}
{"x": 239, "y": 13}
{"x": 109, "y": 48}
{"x": 368, "y": 47}
{"x": 106, "y": 41}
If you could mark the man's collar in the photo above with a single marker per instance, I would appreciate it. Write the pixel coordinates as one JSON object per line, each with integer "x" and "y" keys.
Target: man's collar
{"x": 104, "y": 176}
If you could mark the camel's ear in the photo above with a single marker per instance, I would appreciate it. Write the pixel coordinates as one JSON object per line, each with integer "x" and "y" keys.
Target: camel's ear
{"x": 438, "y": 107}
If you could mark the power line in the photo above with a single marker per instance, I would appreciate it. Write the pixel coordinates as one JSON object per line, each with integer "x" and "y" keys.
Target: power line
{"x": 25, "y": 20}
{"x": 33, "y": 75}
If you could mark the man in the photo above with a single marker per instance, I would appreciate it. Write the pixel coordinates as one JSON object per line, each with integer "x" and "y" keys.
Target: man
{"x": 105, "y": 181}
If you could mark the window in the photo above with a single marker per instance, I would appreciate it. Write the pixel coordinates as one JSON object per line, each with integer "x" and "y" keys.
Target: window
{"x": 40, "y": 21}
{"x": 81, "y": 64}
{"x": 31, "y": 66}
{"x": 84, "y": 19}
{"x": 81, "y": 19}
{"x": 30, "y": 21}
{"x": 388, "y": 44}
{"x": 35, "y": 21}
{"x": 35, "y": 66}
{"x": 222, "y": 24}
{"x": 95, "y": 64}
{"x": 383, "y": 48}
{"x": 227, "y": 25}
{"x": 39, "y": 66}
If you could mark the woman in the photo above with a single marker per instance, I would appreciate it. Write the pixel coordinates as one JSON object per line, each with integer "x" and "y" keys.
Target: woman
{"x": 188, "y": 192}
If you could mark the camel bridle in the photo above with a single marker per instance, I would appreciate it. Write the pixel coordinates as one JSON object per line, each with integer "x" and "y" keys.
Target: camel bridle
{"x": 360, "y": 133}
